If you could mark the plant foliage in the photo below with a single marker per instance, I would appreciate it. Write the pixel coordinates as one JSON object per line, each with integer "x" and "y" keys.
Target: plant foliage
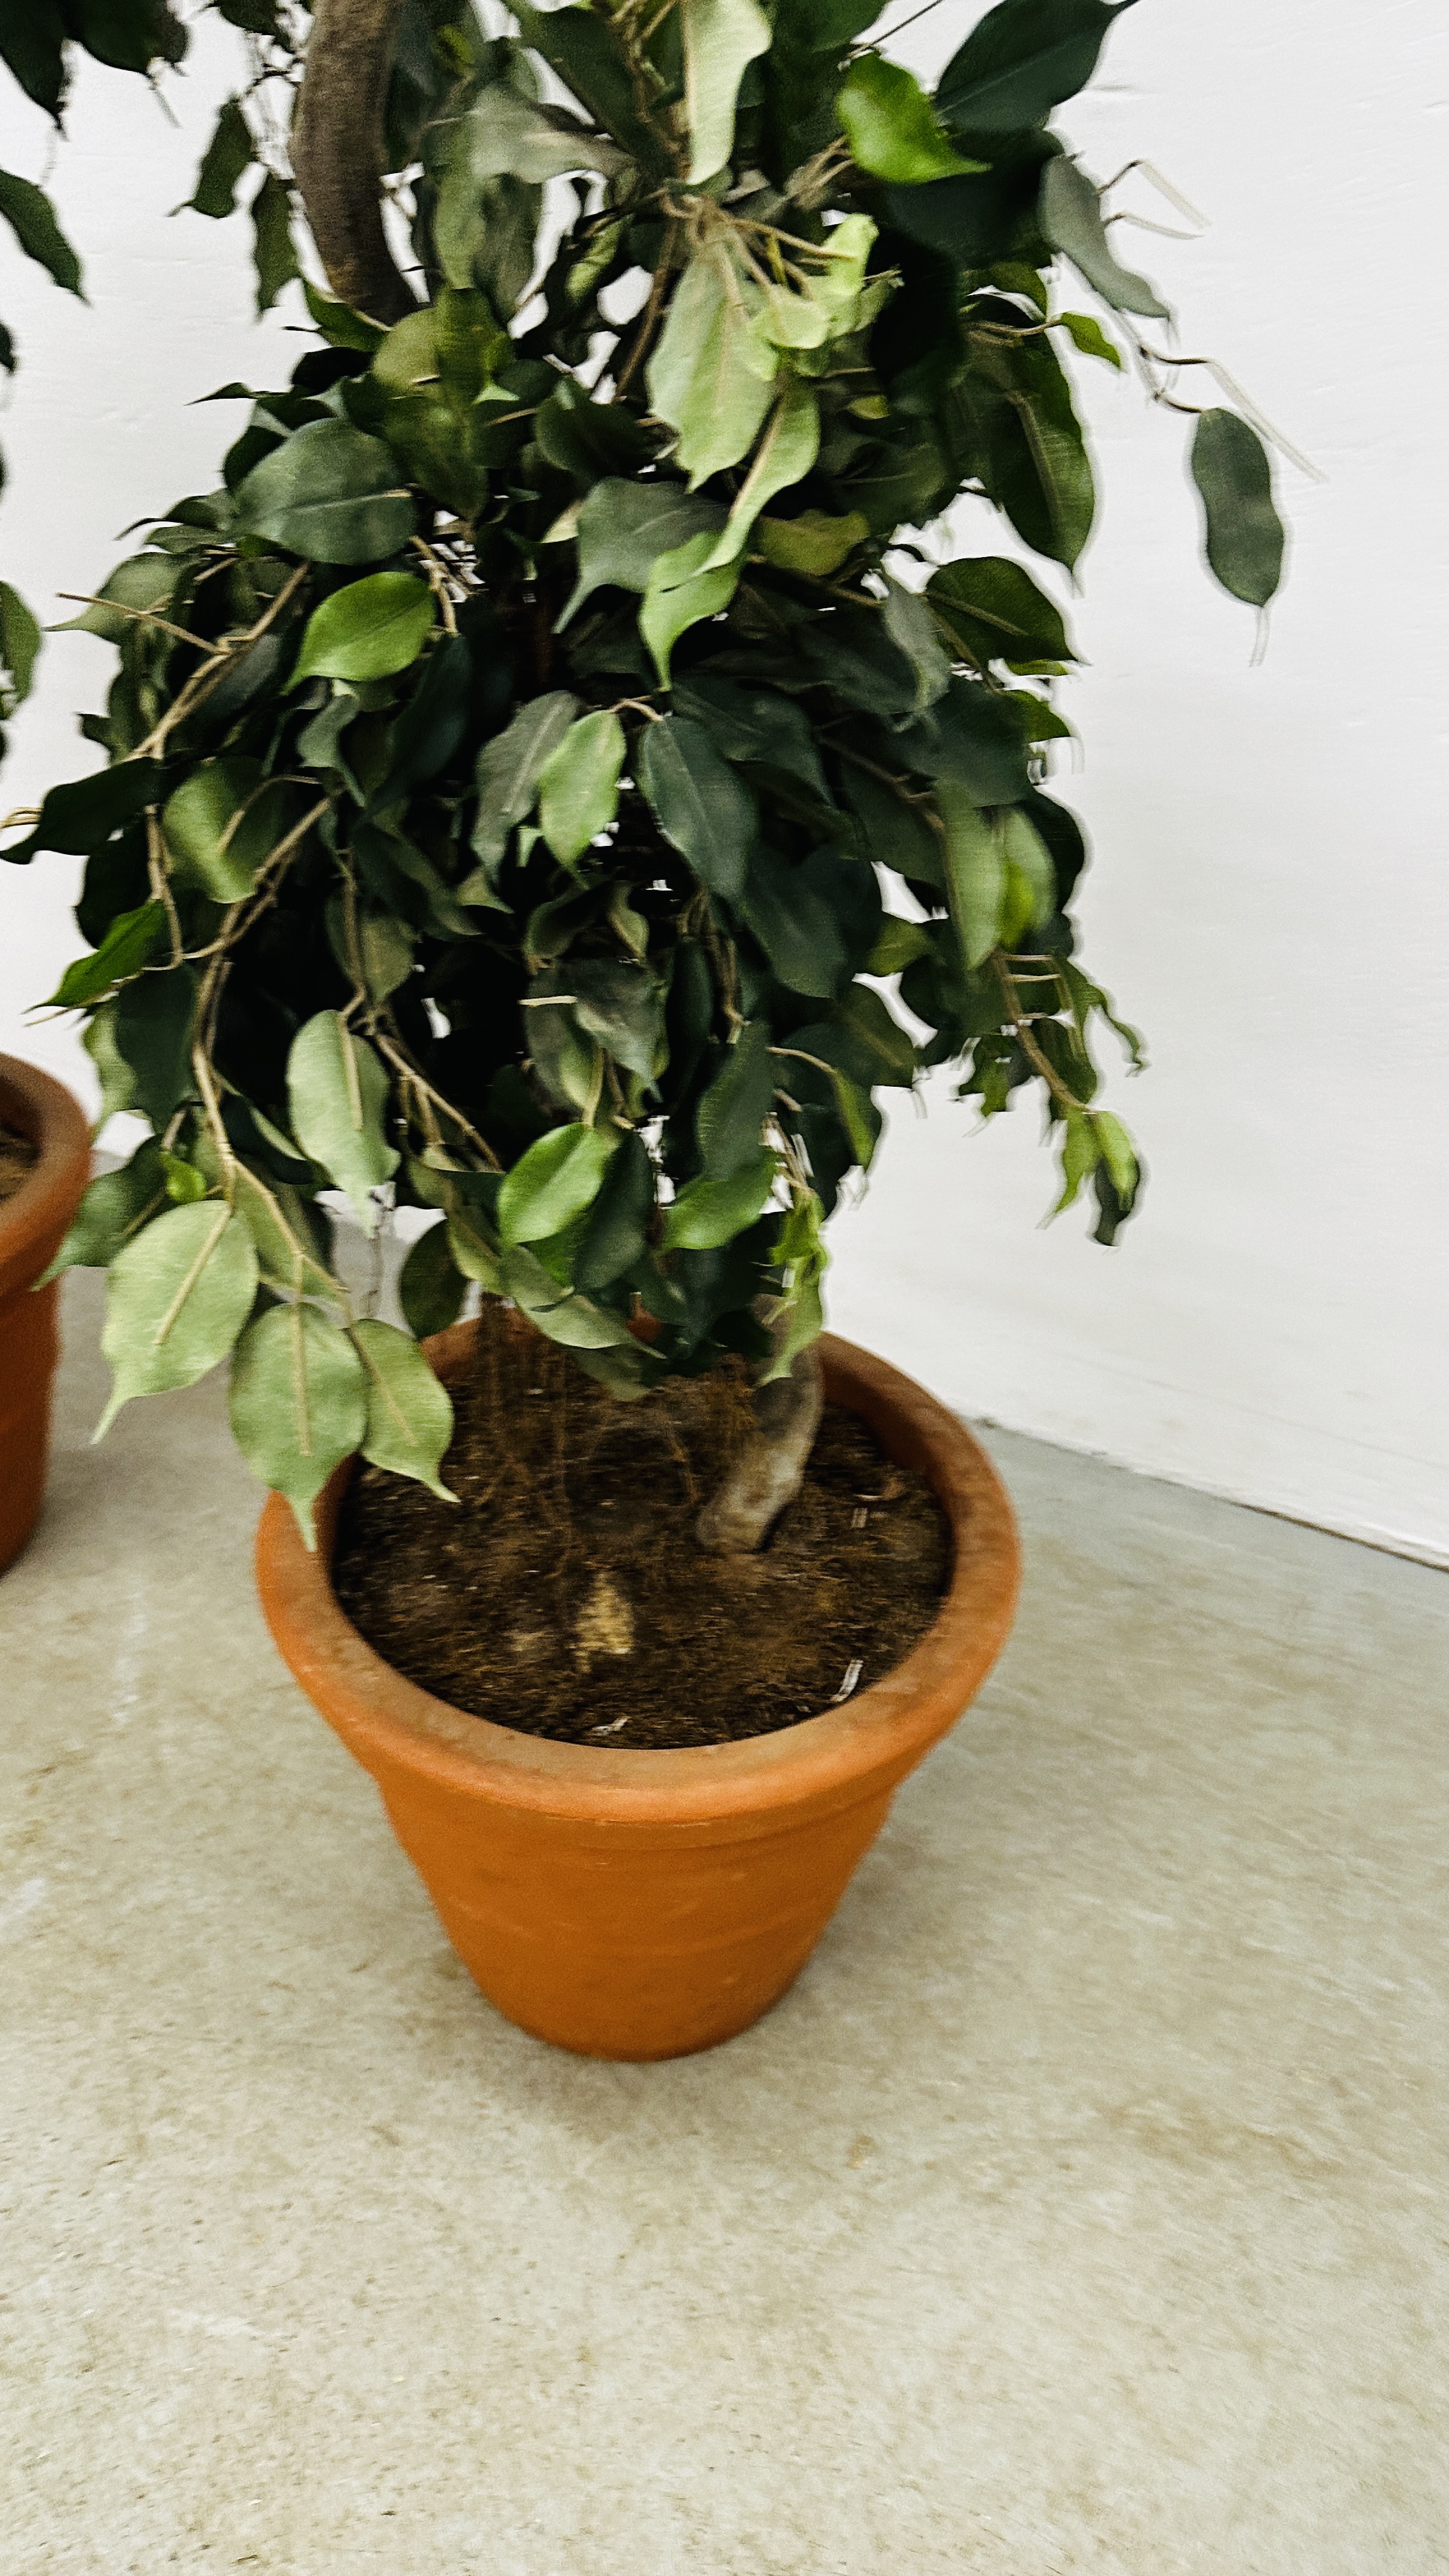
{"x": 573, "y": 765}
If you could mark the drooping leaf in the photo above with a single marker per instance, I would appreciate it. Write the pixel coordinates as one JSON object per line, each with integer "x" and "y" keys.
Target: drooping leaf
{"x": 991, "y": 610}
{"x": 711, "y": 375}
{"x": 1020, "y": 61}
{"x": 409, "y": 1413}
{"x": 153, "y": 1023}
{"x": 19, "y": 645}
{"x": 552, "y": 1183}
{"x": 578, "y": 787}
{"x": 221, "y": 823}
{"x": 31, "y": 218}
{"x": 700, "y": 806}
{"x": 177, "y": 1297}
{"x": 133, "y": 940}
{"x": 892, "y": 128}
{"x": 709, "y": 1212}
{"x": 559, "y": 1312}
{"x": 330, "y": 493}
{"x": 975, "y": 872}
{"x": 509, "y": 769}
{"x": 617, "y": 1233}
{"x": 733, "y": 1110}
{"x": 1029, "y": 896}
{"x": 1071, "y": 218}
{"x": 912, "y": 629}
{"x": 298, "y": 1403}
{"x": 624, "y": 529}
{"x": 721, "y": 37}
{"x": 431, "y": 1287}
{"x": 1244, "y": 534}
{"x": 274, "y": 252}
{"x": 505, "y": 135}
{"x": 115, "y": 1207}
{"x": 227, "y": 156}
{"x": 142, "y": 582}
{"x": 337, "y": 1092}
{"x": 784, "y": 457}
{"x": 367, "y": 631}
{"x": 1086, "y": 333}
{"x": 685, "y": 587}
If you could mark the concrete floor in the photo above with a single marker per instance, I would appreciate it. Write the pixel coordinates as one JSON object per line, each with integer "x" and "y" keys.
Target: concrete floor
{"x": 1084, "y": 2207}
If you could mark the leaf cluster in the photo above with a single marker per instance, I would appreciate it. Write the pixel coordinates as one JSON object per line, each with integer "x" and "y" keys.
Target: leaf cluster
{"x": 560, "y": 779}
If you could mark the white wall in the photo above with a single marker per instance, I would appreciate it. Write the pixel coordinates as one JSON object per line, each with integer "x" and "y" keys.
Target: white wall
{"x": 1270, "y": 896}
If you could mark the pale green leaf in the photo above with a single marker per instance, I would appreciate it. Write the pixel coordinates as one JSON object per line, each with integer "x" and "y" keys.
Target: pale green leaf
{"x": 812, "y": 543}
{"x": 683, "y": 589}
{"x": 298, "y": 1404}
{"x": 509, "y": 769}
{"x": 409, "y": 1414}
{"x": 1245, "y": 538}
{"x": 337, "y": 1090}
{"x": 176, "y": 1299}
{"x": 578, "y": 787}
{"x": 1071, "y": 218}
{"x": 219, "y": 826}
{"x": 784, "y": 457}
{"x": 708, "y": 1213}
{"x": 975, "y": 872}
{"x": 721, "y": 38}
{"x": 710, "y": 375}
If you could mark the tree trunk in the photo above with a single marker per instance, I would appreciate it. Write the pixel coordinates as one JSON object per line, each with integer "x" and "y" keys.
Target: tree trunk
{"x": 339, "y": 152}
{"x": 768, "y": 1472}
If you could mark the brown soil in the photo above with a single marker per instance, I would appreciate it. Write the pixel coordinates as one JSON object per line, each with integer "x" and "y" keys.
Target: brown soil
{"x": 567, "y": 1597}
{"x": 18, "y": 1158}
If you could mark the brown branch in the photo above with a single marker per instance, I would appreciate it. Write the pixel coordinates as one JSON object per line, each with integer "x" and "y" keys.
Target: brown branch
{"x": 339, "y": 152}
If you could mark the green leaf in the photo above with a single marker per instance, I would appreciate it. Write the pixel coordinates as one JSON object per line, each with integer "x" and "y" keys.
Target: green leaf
{"x": 298, "y": 1403}
{"x": 1071, "y": 218}
{"x": 626, "y": 528}
{"x": 142, "y": 581}
{"x": 430, "y": 1286}
{"x": 578, "y": 787}
{"x": 340, "y": 327}
{"x": 227, "y": 156}
{"x": 559, "y": 1312}
{"x": 115, "y": 1207}
{"x": 286, "y": 1230}
{"x": 991, "y": 610}
{"x": 710, "y": 376}
{"x": 880, "y": 1049}
{"x": 700, "y": 806}
{"x": 505, "y": 135}
{"x": 733, "y": 1110}
{"x": 908, "y": 622}
{"x": 32, "y": 41}
{"x": 176, "y": 1299}
{"x": 274, "y": 252}
{"x": 31, "y": 218}
{"x": 1118, "y": 1153}
{"x": 509, "y": 769}
{"x": 682, "y": 591}
{"x": 328, "y": 493}
{"x": 1031, "y": 881}
{"x": 367, "y": 631}
{"x": 617, "y": 1234}
{"x": 337, "y": 1091}
{"x": 19, "y": 645}
{"x": 1081, "y": 1154}
{"x": 784, "y": 457}
{"x": 586, "y": 54}
{"x": 1087, "y": 334}
{"x": 132, "y": 941}
{"x": 1020, "y": 61}
{"x": 812, "y": 543}
{"x": 220, "y": 825}
{"x": 409, "y": 1415}
{"x": 708, "y": 1212}
{"x": 552, "y": 1183}
{"x": 721, "y": 37}
{"x": 1245, "y": 538}
{"x": 899, "y": 943}
{"x": 892, "y": 128}
{"x": 153, "y": 1020}
{"x": 975, "y": 872}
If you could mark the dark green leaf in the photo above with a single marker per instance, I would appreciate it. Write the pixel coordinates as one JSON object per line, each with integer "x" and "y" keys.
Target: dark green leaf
{"x": 329, "y": 493}
{"x": 177, "y": 1297}
{"x": 152, "y": 1025}
{"x": 708, "y": 1213}
{"x": 1021, "y": 61}
{"x": 227, "y": 155}
{"x": 298, "y": 1403}
{"x": 129, "y": 946}
{"x": 990, "y": 610}
{"x": 618, "y": 1227}
{"x": 409, "y": 1414}
{"x": 1071, "y": 218}
{"x": 31, "y": 218}
{"x": 32, "y": 36}
{"x": 431, "y": 1287}
{"x": 115, "y": 1206}
{"x": 1244, "y": 533}
{"x": 699, "y": 804}
{"x": 624, "y": 528}
{"x": 19, "y": 645}
{"x": 273, "y": 249}
{"x": 733, "y": 1111}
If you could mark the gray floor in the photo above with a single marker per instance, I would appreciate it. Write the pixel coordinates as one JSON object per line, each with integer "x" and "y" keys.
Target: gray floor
{"x": 1084, "y": 2208}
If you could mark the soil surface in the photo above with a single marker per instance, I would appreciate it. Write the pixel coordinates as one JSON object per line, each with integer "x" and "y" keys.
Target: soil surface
{"x": 564, "y": 1594}
{"x": 18, "y": 1158}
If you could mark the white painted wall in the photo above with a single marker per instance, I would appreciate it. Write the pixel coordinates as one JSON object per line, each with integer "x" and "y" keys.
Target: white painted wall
{"x": 1271, "y": 894}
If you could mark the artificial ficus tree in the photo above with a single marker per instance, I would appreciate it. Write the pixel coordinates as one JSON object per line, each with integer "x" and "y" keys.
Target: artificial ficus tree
{"x": 574, "y": 762}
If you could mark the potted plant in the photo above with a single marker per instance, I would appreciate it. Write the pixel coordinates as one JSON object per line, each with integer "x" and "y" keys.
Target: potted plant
{"x": 573, "y": 763}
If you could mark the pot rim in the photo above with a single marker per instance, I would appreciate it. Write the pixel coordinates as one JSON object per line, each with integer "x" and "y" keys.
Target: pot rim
{"x": 833, "y": 1759}
{"x": 33, "y": 1221}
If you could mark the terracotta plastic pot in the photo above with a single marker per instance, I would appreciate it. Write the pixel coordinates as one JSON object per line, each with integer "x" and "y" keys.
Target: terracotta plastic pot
{"x": 31, "y": 1226}
{"x": 644, "y": 1905}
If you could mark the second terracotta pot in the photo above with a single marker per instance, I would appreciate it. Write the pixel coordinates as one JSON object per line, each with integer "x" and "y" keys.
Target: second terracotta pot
{"x": 32, "y": 1225}
{"x": 645, "y": 1905}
